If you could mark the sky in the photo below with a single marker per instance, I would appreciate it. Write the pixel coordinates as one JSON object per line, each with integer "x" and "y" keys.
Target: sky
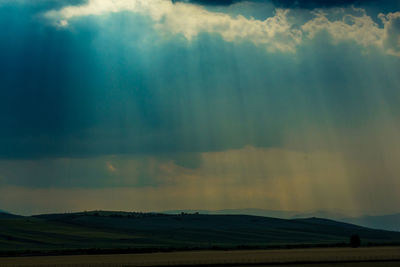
{"x": 151, "y": 105}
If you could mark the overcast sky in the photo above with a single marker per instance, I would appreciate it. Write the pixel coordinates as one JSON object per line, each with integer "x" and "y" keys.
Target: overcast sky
{"x": 149, "y": 105}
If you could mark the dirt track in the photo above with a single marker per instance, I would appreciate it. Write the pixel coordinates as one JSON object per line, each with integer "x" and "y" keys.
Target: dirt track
{"x": 376, "y": 256}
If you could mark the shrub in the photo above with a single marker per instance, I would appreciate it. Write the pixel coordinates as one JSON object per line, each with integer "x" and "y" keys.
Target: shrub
{"x": 355, "y": 241}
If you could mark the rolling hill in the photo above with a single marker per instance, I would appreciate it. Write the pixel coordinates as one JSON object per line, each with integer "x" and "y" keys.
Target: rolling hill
{"x": 5, "y": 215}
{"x": 253, "y": 212}
{"x": 389, "y": 222}
{"x": 116, "y": 230}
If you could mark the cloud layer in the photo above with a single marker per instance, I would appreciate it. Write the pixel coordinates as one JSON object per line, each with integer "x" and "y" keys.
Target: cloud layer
{"x": 280, "y": 32}
{"x": 161, "y": 105}
{"x": 277, "y": 179}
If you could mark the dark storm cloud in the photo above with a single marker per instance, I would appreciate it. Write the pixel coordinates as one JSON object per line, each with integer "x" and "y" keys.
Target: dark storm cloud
{"x": 59, "y": 99}
{"x": 37, "y": 80}
{"x": 309, "y": 4}
{"x": 111, "y": 100}
{"x": 34, "y": 7}
{"x": 208, "y": 2}
{"x": 321, "y": 3}
{"x": 88, "y": 91}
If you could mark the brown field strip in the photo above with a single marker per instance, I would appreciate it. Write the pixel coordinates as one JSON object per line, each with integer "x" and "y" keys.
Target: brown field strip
{"x": 373, "y": 256}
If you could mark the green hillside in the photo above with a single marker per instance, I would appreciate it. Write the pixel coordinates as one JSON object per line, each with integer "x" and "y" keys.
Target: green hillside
{"x": 114, "y": 230}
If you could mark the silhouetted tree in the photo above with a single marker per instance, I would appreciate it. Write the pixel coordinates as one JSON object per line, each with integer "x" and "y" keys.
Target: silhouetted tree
{"x": 355, "y": 241}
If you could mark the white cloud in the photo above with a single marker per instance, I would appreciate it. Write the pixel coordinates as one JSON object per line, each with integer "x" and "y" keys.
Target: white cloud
{"x": 360, "y": 29}
{"x": 277, "y": 33}
{"x": 392, "y": 32}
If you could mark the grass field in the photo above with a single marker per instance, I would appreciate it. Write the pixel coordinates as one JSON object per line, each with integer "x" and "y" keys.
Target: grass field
{"x": 372, "y": 256}
{"x": 149, "y": 232}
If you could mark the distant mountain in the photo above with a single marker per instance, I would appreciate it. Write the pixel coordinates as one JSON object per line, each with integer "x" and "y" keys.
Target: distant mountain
{"x": 116, "y": 230}
{"x": 386, "y": 222}
{"x": 321, "y": 214}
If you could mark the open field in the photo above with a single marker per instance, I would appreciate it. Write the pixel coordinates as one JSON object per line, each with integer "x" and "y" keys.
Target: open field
{"x": 203, "y": 240}
{"x": 135, "y": 233}
{"x": 372, "y": 256}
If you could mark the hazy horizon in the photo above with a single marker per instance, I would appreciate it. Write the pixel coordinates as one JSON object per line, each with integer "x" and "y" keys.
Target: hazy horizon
{"x": 240, "y": 211}
{"x": 155, "y": 105}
